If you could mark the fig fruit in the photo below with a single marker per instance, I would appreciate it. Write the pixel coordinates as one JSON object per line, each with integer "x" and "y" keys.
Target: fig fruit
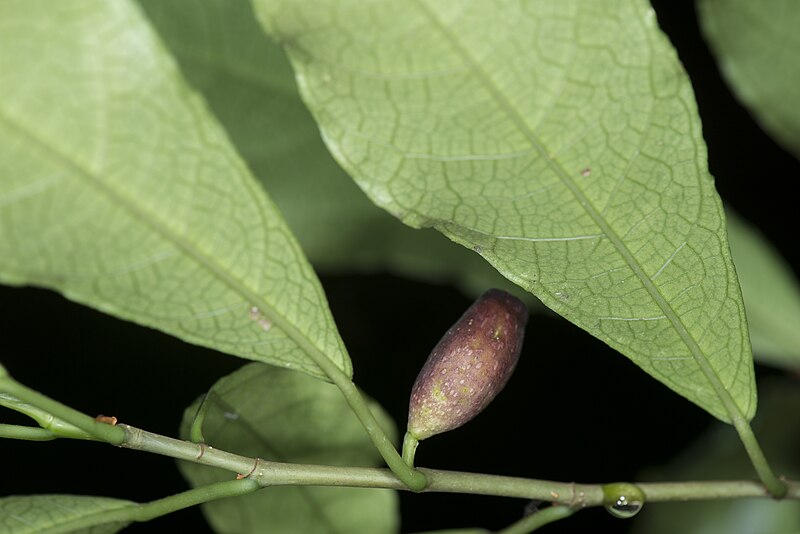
{"x": 469, "y": 366}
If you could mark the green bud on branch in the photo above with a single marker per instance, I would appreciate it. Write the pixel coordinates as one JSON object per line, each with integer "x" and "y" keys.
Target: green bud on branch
{"x": 469, "y": 366}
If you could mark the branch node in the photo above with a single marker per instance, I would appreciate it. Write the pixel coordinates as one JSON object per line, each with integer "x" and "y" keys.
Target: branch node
{"x": 253, "y": 470}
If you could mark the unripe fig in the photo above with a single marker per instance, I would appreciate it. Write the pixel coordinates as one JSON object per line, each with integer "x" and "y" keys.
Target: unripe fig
{"x": 469, "y": 366}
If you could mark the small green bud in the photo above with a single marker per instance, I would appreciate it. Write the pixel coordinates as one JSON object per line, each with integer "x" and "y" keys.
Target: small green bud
{"x": 469, "y": 366}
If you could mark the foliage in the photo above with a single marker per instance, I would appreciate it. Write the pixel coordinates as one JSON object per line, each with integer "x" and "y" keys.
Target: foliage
{"x": 157, "y": 163}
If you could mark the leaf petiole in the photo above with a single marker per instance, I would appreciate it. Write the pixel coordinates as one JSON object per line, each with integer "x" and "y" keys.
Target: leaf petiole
{"x": 62, "y": 420}
{"x": 26, "y": 433}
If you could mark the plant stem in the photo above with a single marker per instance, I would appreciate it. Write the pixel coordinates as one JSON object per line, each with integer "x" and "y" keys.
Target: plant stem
{"x": 46, "y": 420}
{"x": 268, "y": 473}
{"x": 138, "y": 439}
{"x": 96, "y": 429}
{"x": 115, "y": 435}
{"x": 539, "y": 519}
{"x": 773, "y": 484}
{"x": 27, "y": 433}
{"x": 193, "y": 497}
{"x": 412, "y": 478}
{"x": 409, "y": 449}
{"x": 157, "y": 508}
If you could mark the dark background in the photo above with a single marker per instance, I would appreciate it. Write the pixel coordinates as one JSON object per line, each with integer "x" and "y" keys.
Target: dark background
{"x": 575, "y": 410}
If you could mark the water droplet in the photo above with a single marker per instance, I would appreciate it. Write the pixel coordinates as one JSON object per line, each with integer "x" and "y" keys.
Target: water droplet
{"x": 624, "y": 508}
{"x": 622, "y": 499}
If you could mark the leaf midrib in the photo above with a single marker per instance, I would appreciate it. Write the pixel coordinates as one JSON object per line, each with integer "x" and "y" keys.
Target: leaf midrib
{"x": 157, "y": 225}
{"x": 513, "y": 114}
{"x": 67, "y": 526}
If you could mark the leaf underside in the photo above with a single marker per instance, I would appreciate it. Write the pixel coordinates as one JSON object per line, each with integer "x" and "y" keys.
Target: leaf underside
{"x": 119, "y": 189}
{"x": 41, "y": 514}
{"x": 248, "y": 83}
{"x": 222, "y": 51}
{"x": 559, "y": 140}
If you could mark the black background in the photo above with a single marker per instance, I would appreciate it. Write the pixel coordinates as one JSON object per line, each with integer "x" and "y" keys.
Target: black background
{"x": 575, "y": 410}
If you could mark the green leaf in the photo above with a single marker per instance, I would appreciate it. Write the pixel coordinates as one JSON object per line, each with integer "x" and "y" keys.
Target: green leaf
{"x": 560, "y": 140}
{"x": 757, "y": 48}
{"x": 280, "y": 415}
{"x": 119, "y": 189}
{"x": 771, "y": 295}
{"x": 51, "y": 514}
{"x": 248, "y": 83}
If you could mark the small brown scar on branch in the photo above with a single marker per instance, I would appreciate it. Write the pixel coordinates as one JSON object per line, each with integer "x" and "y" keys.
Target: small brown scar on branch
{"x": 253, "y": 470}
{"x": 107, "y": 419}
{"x": 202, "y": 450}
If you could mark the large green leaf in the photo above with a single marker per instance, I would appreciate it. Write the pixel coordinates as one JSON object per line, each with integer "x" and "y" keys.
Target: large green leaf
{"x": 771, "y": 295}
{"x": 281, "y": 415}
{"x": 51, "y": 514}
{"x": 223, "y": 53}
{"x": 119, "y": 189}
{"x": 561, "y": 141}
{"x": 757, "y": 47}
{"x": 248, "y": 83}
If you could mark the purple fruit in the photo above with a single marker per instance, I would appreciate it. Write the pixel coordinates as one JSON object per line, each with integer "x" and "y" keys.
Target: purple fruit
{"x": 469, "y": 366}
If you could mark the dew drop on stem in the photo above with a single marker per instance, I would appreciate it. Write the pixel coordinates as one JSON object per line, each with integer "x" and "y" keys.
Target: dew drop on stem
{"x": 622, "y": 499}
